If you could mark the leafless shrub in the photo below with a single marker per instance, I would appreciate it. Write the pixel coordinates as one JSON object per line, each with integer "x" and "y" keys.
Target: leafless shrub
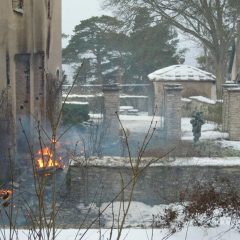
{"x": 203, "y": 205}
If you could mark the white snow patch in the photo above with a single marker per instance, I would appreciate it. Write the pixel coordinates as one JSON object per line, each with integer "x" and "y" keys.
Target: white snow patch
{"x": 133, "y": 96}
{"x": 109, "y": 161}
{"x": 207, "y": 135}
{"x": 126, "y": 107}
{"x": 80, "y": 95}
{"x": 186, "y": 100}
{"x": 139, "y": 214}
{"x": 77, "y": 103}
{"x": 203, "y": 99}
{"x": 209, "y": 131}
{"x": 232, "y": 144}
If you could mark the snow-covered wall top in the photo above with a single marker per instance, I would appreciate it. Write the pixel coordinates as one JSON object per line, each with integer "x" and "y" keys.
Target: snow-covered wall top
{"x": 181, "y": 73}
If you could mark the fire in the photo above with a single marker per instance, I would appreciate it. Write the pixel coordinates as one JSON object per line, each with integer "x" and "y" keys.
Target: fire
{"x": 5, "y": 194}
{"x": 45, "y": 159}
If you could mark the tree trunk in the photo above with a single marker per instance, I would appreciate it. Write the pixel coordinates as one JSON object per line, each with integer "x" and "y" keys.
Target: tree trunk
{"x": 220, "y": 72}
{"x": 99, "y": 68}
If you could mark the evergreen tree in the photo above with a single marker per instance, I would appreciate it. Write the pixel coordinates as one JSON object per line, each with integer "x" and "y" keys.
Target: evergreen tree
{"x": 109, "y": 51}
{"x": 210, "y": 22}
{"x": 153, "y": 46}
{"x": 95, "y": 40}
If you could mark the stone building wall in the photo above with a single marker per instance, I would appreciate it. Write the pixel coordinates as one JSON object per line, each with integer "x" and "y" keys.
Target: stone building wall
{"x": 30, "y": 48}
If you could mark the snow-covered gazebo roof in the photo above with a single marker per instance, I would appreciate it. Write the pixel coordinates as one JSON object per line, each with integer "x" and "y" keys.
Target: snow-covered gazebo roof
{"x": 181, "y": 73}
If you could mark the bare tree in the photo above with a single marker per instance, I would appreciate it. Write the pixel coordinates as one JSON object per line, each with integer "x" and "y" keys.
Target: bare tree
{"x": 212, "y": 22}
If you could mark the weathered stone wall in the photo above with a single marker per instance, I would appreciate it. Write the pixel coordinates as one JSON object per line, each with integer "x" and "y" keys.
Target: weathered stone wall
{"x": 96, "y": 101}
{"x": 141, "y": 100}
{"x": 190, "y": 88}
{"x": 30, "y": 43}
{"x": 138, "y": 102}
{"x": 193, "y": 88}
{"x": 157, "y": 185}
{"x": 172, "y": 111}
{"x": 233, "y": 113}
{"x": 212, "y": 111}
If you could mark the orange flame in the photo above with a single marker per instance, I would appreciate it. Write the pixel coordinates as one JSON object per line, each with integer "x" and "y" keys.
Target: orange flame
{"x": 46, "y": 160}
{"x": 5, "y": 194}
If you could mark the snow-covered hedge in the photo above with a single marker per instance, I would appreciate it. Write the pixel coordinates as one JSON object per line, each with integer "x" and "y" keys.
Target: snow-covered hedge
{"x": 75, "y": 112}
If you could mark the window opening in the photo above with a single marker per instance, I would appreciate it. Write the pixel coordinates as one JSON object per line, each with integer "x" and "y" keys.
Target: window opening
{"x": 7, "y": 70}
{"x": 18, "y": 5}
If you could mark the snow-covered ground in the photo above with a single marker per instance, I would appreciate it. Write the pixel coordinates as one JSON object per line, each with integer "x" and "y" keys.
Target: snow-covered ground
{"x": 140, "y": 215}
{"x": 232, "y": 144}
{"x": 141, "y": 124}
{"x": 138, "y": 225}
{"x": 109, "y": 161}
{"x": 222, "y": 232}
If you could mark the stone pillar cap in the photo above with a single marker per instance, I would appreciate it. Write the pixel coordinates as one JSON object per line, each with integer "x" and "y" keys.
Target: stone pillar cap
{"x": 234, "y": 89}
{"x": 111, "y": 87}
{"x": 230, "y": 84}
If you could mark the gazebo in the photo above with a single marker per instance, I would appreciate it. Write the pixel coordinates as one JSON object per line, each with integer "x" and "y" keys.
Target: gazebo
{"x": 195, "y": 82}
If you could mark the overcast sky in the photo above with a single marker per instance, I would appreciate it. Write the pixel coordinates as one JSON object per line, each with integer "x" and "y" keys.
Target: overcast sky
{"x": 73, "y": 11}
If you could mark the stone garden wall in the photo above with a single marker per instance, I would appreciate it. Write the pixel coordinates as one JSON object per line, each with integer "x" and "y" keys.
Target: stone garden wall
{"x": 212, "y": 110}
{"x": 96, "y": 101}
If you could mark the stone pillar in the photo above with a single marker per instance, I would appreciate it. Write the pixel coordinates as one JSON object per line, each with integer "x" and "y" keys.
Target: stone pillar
{"x": 225, "y": 114}
{"x": 233, "y": 111}
{"x": 172, "y": 111}
{"x": 111, "y": 106}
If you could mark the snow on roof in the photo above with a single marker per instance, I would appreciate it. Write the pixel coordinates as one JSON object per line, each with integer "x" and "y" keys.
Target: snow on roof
{"x": 186, "y": 100}
{"x": 181, "y": 73}
{"x": 203, "y": 99}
